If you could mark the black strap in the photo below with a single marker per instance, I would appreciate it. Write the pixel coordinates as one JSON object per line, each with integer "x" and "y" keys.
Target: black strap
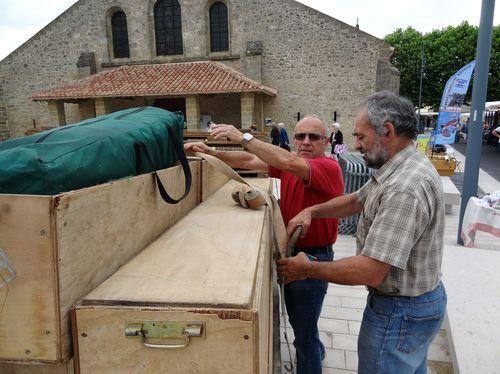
{"x": 141, "y": 149}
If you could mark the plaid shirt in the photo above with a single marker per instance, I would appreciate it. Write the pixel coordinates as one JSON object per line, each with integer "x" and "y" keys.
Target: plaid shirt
{"x": 402, "y": 223}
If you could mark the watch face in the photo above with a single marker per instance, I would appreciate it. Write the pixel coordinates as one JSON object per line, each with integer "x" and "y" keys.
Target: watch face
{"x": 246, "y": 138}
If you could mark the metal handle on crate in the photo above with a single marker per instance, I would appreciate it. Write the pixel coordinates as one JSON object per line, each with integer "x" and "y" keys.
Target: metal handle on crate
{"x": 163, "y": 346}
{"x": 176, "y": 331}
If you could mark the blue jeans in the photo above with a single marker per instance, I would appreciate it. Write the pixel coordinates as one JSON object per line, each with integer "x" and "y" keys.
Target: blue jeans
{"x": 397, "y": 330}
{"x": 304, "y": 300}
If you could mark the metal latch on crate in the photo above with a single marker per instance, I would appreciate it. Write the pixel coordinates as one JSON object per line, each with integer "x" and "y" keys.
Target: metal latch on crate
{"x": 176, "y": 335}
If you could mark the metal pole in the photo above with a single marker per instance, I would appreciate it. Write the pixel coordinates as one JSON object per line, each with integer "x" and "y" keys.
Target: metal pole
{"x": 420, "y": 89}
{"x": 475, "y": 138}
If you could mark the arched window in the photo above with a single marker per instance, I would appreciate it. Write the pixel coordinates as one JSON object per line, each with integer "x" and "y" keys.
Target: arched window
{"x": 120, "y": 35}
{"x": 219, "y": 35}
{"x": 168, "y": 27}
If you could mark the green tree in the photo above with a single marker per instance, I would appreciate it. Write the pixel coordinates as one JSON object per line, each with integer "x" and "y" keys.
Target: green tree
{"x": 406, "y": 58}
{"x": 446, "y": 51}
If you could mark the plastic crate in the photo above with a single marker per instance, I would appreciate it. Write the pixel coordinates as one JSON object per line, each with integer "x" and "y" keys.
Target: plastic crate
{"x": 355, "y": 174}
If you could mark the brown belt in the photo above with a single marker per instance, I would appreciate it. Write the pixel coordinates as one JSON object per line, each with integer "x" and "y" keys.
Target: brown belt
{"x": 376, "y": 292}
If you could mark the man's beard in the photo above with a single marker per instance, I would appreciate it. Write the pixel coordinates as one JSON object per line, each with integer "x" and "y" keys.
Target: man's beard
{"x": 376, "y": 158}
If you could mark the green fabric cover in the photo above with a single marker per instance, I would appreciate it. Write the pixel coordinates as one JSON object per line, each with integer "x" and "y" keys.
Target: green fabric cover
{"x": 90, "y": 152}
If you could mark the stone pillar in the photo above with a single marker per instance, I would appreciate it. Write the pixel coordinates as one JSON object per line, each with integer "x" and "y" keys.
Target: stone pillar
{"x": 57, "y": 115}
{"x": 193, "y": 112}
{"x": 102, "y": 106}
{"x": 247, "y": 109}
{"x": 86, "y": 109}
{"x": 4, "y": 128}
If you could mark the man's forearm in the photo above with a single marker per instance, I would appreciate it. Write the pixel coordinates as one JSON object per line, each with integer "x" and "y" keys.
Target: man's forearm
{"x": 237, "y": 159}
{"x": 271, "y": 154}
{"x": 351, "y": 271}
{"x": 338, "y": 207}
{"x": 279, "y": 158}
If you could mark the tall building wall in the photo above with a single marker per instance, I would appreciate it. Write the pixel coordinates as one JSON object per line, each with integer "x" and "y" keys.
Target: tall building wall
{"x": 316, "y": 63}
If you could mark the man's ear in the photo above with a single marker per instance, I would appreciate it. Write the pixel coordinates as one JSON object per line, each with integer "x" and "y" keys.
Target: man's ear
{"x": 389, "y": 129}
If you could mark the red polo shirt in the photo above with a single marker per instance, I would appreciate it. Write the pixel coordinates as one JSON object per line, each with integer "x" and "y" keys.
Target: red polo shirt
{"x": 325, "y": 182}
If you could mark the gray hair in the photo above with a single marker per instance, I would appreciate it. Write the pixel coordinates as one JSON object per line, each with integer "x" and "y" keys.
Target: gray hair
{"x": 336, "y": 125}
{"x": 315, "y": 116}
{"x": 386, "y": 106}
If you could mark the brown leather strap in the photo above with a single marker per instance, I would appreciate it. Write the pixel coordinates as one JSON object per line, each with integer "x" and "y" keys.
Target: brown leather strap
{"x": 247, "y": 196}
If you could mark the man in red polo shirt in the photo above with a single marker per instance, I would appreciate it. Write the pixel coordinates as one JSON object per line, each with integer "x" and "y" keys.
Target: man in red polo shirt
{"x": 307, "y": 178}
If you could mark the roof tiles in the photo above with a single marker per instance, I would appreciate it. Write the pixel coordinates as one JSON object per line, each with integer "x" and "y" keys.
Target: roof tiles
{"x": 186, "y": 78}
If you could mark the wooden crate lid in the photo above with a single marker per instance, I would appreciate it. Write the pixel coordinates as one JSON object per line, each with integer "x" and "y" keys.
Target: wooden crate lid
{"x": 208, "y": 258}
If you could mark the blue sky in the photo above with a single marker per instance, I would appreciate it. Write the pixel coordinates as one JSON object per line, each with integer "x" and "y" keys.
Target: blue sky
{"x": 21, "y": 19}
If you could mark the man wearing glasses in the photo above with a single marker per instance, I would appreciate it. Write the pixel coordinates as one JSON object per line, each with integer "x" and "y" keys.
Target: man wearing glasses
{"x": 307, "y": 178}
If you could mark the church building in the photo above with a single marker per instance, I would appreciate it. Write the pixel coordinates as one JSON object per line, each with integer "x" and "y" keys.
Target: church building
{"x": 241, "y": 62}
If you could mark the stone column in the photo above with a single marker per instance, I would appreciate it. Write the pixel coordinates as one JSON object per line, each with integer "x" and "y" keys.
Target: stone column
{"x": 4, "y": 128}
{"x": 247, "y": 109}
{"x": 193, "y": 112}
{"x": 86, "y": 109}
{"x": 102, "y": 106}
{"x": 57, "y": 115}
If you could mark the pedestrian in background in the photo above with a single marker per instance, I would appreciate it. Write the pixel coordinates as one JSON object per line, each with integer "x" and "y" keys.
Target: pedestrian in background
{"x": 284, "y": 141}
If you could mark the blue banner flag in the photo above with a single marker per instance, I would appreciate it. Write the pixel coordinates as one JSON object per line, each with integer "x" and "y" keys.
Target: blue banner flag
{"x": 451, "y": 105}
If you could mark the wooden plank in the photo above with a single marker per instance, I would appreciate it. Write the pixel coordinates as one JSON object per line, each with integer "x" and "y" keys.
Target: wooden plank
{"x": 262, "y": 303}
{"x": 28, "y": 313}
{"x": 101, "y": 228}
{"x": 227, "y": 345}
{"x": 36, "y": 368}
{"x": 201, "y": 254}
{"x": 212, "y": 179}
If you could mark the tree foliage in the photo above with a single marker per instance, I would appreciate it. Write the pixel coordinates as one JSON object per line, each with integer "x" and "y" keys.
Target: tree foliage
{"x": 446, "y": 51}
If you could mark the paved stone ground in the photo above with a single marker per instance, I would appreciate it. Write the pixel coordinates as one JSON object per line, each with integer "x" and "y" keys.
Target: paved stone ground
{"x": 490, "y": 158}
{"x": 340, "y": 322}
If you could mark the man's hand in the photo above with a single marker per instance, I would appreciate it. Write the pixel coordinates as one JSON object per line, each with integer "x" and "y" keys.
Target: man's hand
{"x": 302, "y": 219}
{"x": 201, "y": 147}
{"x": 222, "y": 132}
{"x": 293, "y": 268}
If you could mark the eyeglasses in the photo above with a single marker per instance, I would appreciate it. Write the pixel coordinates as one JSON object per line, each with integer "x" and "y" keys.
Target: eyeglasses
{"x": 312, "y": 136}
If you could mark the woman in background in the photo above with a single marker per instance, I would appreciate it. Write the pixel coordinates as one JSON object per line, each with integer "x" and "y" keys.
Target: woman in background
{"x": 337, "y": 139}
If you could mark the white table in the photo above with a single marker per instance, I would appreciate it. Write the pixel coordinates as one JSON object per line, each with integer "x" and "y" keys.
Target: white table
{"x": 478, "y": 217}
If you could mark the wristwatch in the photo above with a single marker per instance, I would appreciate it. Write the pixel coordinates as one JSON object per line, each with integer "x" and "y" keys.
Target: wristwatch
{"x": 246, "y": 138}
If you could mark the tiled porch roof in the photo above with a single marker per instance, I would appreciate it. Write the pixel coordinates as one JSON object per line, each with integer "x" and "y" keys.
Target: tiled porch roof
{"x": 172, "y": 79}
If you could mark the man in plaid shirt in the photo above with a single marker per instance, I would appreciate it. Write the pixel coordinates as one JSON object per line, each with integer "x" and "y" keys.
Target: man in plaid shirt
{"x": 399, "y": 241}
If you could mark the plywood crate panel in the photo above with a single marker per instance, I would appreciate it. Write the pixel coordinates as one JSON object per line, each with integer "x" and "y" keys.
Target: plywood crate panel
{"x": 64, "y": 246}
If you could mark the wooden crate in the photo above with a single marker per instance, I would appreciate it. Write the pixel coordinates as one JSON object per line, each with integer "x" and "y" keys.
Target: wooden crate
{"x": 445, "y": 167}
{"x": 213, "y": 269}
{"x": 64, "y": 246}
